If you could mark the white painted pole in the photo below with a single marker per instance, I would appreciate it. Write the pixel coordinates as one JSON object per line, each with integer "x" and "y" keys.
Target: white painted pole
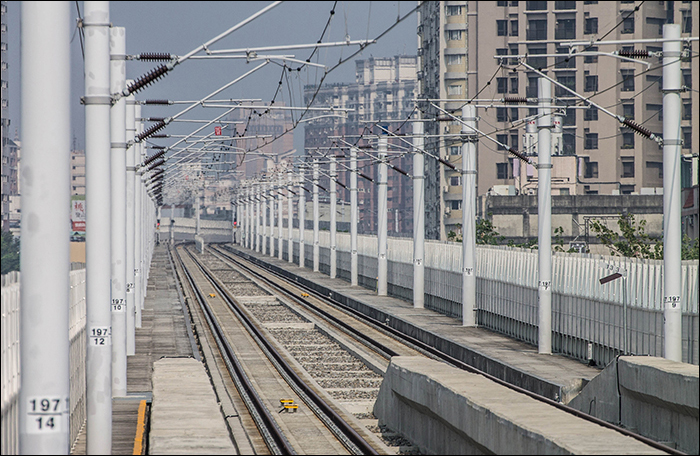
{"x": 544, "y": 216}
{"x": 279, "y": 217}
{"x": 469, "y": 216}
{"x": 290, "y": 210}
{"x": 197, "y": 210}
{"x": 263, "y": 205}
{"x": 130, "y": 228}
{"x": 315, "y": 196}
{"x": 249, "y": 218}
{"x": 138, "y": 227}
{"x": 97, "y": 102}
{"x": 418, "y": 217}
{"x": 353, "y": 216}
{"x": 44, "y": 422}
{"x": 673, "y": 347}
{"x": 118, "y": 201}
{"x": 333, "y": 253}
{"x": 271, "y": 205}
{"x": 258, "y": 216}
{"x": 302, "y": 218}
{"x": 382, "y": 224}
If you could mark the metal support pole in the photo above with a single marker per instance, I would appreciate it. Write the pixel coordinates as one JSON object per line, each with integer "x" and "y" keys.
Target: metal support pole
{"x": 382, "y": 224}
{"x": 418, "y": 217}
{"x": 258, "y": 217}
{"x": 544, "y": 216}
{"x": 333, "y": 253}
{"x": 290, "y": 210}
{"x": 315, "y": 196}
{"x": 138, "y": 217}
{"x": 279, "y": 217}
{"x": 130, "y": 229}
{"x": 469, "y": 216}
{"x": 673, "y": 347}
{"x": 263, "y": 205}
{"x": 353, "y": 216}
{"x": 118, "y": 202}
{"x": 302, "y": 219}
{"x": 97, "y": 102}
{"x": 271, "y": 205}
{"x": 44, "y": 422}
{"x": 197, "y": 209}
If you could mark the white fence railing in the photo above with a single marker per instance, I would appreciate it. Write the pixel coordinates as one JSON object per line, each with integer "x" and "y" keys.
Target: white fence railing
{"x": 11, "y": 372}
{"x": 587, "y": 317}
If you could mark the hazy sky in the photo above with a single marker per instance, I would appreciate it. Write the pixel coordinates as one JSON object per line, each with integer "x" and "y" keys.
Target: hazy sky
{"x": 180, "y": 27}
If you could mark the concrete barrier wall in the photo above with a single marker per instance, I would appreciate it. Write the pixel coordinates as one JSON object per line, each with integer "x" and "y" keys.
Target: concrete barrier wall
{"x": 655, "y": 397}
{"x": 444, "y": 410}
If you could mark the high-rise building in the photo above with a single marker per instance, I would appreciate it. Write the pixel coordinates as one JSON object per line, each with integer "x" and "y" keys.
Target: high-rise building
{"x": 382, "y": 94}
{"x": 593, "y": 152}
{"x": 77, "y": 172}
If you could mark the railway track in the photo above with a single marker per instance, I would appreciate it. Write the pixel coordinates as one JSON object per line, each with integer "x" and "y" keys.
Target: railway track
{"x": 316, "y": 376}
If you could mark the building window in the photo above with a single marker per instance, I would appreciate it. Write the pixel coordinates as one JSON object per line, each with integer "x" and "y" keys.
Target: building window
{"x": 564, "y": 5}
{"x": 656, "y": 168}
{"x": 455, "y": 205}
{"x": 514, "y": 85}
{"x": 686, "y": 21}
{"x": 501, "y": 27}
{"x": 627, "y": 167}
{"x": 501, "y": 3}
{"x": 514, "y": 141}
{"x": 628, "y": 24}
{"x": 591, "y": 141}
{"x": 531, "y": 90}
{"x": 687, "y": 137}
{"x": 628, "y": 140}
{"x": 591, "y": 82}
{"x": 514, "y": 114}
{"x": 590, "y": 26}
{"x": 591, "y": 58}
{"x": 455, "y": 181}
{"x": 658, "y": 22}
{"x": 567, "y": 79}
{"x": 565, "y": 29}
{"x": 627, "y": 80}
{"x": 502, "y": 85}
{"x": 454, "y": 89}
{"x": 566, "y": 61}
{"x": 537, "y": 29}
{"x": 514, "y": 27}
{"x": 687, "y": 78}
{"x": 626, "y": 189}
{"x": 628, "y": 109}
{"x": 537, "y": 62}
{"x": 455, "y": 10}
{"x": 453, "y": 59}
{"x": 503, "y": 139}
{"x": 454, "y": 35}
{"x": 536, "y": 6}
{"x": 591, "y": 171}
{"x": 501, "y": 115}
{"x": 501, "y": 170}
{"x": 687, "y": 111}
{"x": 455, "y": 150}
{"x": 656, "y": 108}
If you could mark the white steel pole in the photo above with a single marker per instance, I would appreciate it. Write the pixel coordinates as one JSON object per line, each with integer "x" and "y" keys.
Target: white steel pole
{"x": 469, "y": 216}
{"x": 263, "y": 204}
{"x": 197, "y": 210}
{"x": 290, "y": 210}
{"x": 258, "y": 217}
{"x": 271, "y": 204}
{"x": 382, "y": 224}
{"x": 97, "y": 102}
{"x": 353, "y": 216}
{"x": 44, "y": 422}
{"x": 138, "y": 214}
{"x": 118, "y": 201}
{"x": 130, "y": 229}
{"x": 279, "y": 217}
{"x": 249, "y": 218}
{"x": 315, "y": 195}
{"x": 302, "y": 219}
{"x": 544, "y": 216}
{"x": 418, "y": 217}
{"x": 673, "y": 347}
{"x": 333, "y": 253}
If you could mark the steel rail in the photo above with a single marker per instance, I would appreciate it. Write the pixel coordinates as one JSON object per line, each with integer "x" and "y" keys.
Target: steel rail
{"x": 343, "y": 431}
{"x": 272, "y": 435}
{"x": 454, "y": 361}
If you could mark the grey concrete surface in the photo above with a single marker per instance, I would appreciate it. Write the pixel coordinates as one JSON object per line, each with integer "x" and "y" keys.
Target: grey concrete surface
{"x": 445, "y": 410}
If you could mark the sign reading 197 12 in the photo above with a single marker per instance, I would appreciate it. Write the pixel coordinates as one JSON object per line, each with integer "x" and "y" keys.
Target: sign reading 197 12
{"x": 100, "y": 335}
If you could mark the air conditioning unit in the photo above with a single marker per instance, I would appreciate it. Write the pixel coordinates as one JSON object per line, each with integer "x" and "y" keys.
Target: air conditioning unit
{"x": 445, "y": 188}
{"x": 448, "y": 210}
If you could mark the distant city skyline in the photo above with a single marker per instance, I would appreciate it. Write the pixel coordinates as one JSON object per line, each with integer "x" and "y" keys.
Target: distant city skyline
{"x": 180, "y": 27}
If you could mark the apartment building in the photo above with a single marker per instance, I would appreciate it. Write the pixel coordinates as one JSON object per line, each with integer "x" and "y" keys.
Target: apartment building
{"x": 593, "y": 152}
{"x": 382, "y": 94}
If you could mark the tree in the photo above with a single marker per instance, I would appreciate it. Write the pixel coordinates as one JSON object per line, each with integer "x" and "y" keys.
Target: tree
{"x": 632, "y": 241}
{"x": 486, "y": 233}
{"x": 10, "y": 253}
